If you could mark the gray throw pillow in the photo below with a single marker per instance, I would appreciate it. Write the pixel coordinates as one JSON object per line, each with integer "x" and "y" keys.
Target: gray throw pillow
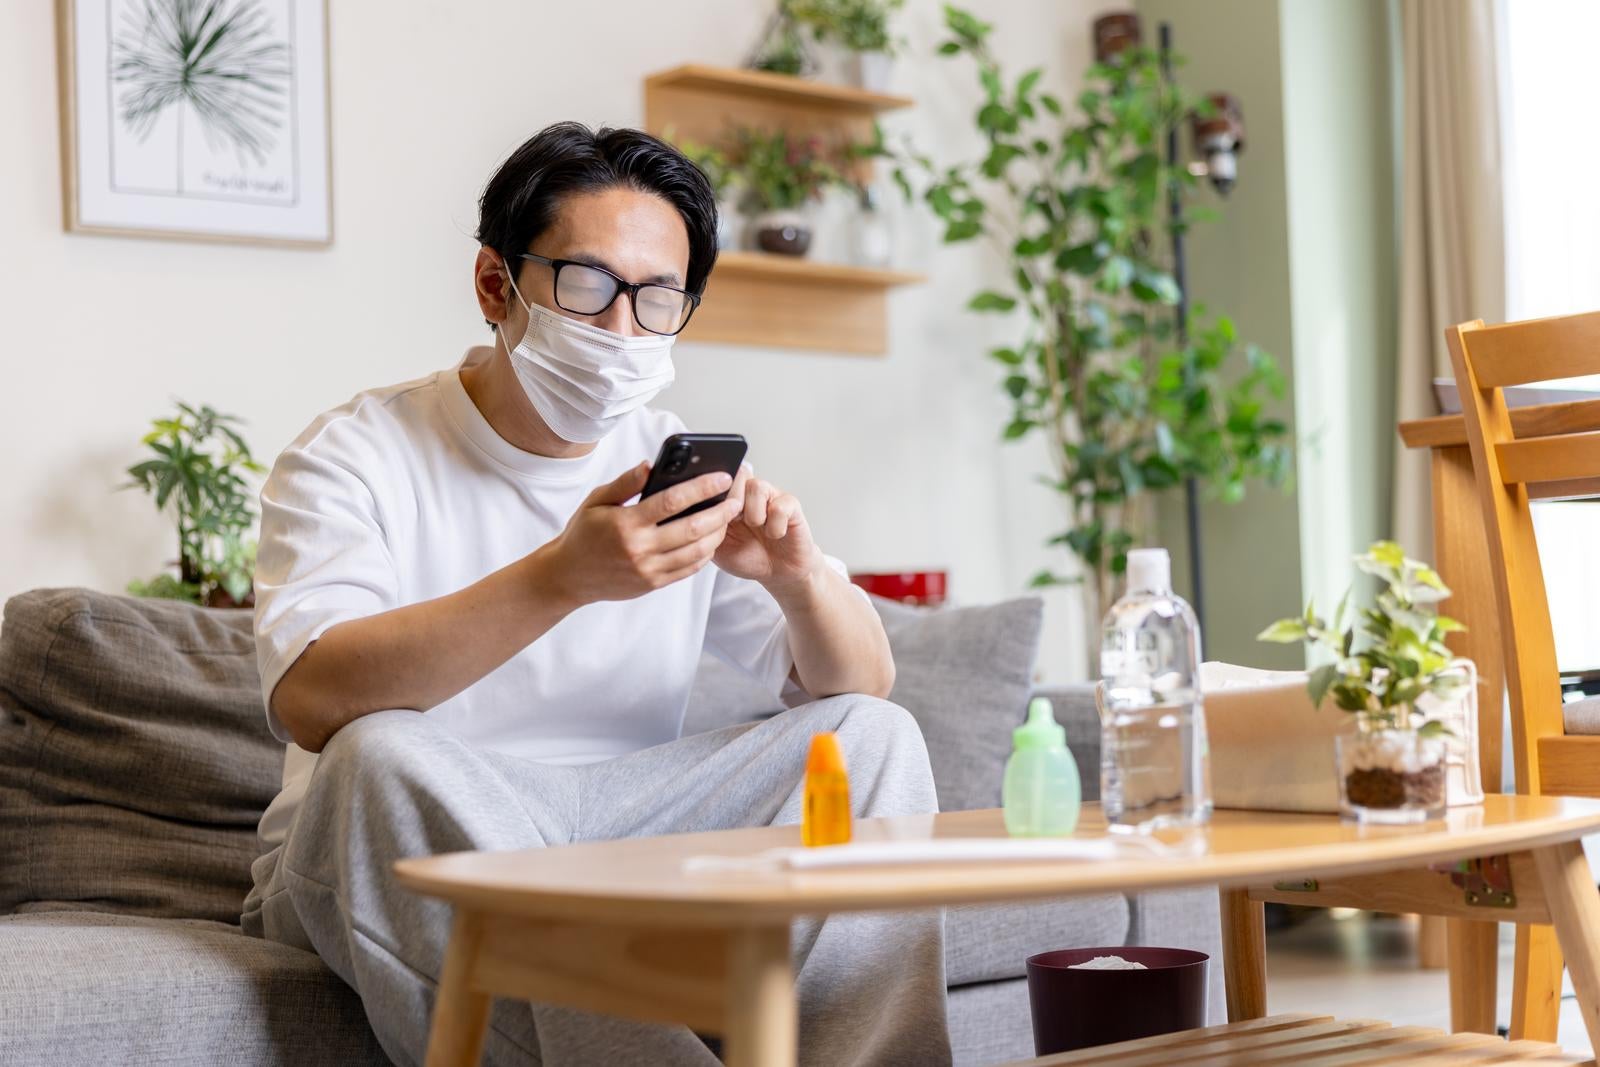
{"x": 965, "y": 674}
{"x": 135, "y": 760}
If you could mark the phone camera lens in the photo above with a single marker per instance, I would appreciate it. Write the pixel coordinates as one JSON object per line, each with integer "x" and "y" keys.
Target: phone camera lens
{"x": 677, "y": 458}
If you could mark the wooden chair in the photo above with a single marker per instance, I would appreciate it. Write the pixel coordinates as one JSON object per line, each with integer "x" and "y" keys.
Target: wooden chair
{"x": 1556, "y": 456}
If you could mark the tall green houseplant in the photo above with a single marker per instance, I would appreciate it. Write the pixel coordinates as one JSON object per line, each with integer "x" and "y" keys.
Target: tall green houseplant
{"x": 1073, "y": 198}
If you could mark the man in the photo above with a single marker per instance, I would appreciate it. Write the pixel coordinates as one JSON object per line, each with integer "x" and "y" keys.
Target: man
{"x": 471, "y": 639}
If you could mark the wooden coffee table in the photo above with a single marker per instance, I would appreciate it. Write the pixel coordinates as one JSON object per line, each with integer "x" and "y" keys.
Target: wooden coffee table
{"x": 619, "y": 927}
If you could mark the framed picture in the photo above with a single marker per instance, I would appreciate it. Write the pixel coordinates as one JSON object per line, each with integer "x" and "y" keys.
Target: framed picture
{"x": 197, "y": 119}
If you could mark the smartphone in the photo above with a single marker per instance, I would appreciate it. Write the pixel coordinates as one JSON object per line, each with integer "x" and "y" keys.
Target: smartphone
{"x": 689, "y": 455}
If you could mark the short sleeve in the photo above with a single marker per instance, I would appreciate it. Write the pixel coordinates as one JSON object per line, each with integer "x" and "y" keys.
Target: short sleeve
{"x": 323, "y": 560}
{"x": 747, "y": 631}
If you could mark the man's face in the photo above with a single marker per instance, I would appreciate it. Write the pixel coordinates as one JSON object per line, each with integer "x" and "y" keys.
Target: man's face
{"x": 637, "y": 236}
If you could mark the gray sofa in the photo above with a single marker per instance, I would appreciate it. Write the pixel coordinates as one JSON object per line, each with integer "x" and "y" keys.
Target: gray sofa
{"x": 134, "y": 764}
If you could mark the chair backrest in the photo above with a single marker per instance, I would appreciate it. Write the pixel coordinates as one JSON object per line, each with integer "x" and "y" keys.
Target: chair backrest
{"x": 1558, "y": 457}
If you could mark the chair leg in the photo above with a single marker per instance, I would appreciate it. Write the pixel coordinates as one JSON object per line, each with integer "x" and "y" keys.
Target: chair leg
{"x": 1536, "y": 984}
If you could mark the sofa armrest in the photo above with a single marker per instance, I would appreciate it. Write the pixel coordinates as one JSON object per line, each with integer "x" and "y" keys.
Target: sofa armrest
{"x": 1076, "y": 712}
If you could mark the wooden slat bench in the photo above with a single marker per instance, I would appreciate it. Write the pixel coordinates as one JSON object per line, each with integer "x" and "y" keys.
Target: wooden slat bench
{"x": 1311, "y": 1041}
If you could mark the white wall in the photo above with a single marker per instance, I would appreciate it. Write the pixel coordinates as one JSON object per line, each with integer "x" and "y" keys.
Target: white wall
{"x": 897, "y": 460}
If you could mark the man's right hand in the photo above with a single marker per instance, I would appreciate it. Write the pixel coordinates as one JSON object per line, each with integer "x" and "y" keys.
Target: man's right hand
{"x": 612, "y": 552}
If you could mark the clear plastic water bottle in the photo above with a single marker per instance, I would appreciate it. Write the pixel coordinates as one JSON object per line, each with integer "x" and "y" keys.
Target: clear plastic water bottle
{"x": 1155, "y": 763}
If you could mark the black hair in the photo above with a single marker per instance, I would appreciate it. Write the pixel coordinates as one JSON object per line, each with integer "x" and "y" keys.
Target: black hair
{"x": 567, "y": 158}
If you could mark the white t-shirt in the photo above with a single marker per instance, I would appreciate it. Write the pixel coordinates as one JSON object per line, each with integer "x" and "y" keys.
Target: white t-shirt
{"x": 407, "y": 493}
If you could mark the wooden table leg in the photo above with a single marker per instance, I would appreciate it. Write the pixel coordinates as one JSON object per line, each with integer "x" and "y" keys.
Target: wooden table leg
{"x": 763, "y": 1016}
{"x": 1569, "y": 892}
{"x": 1433, "y": 949}
{"x": 1474, "y": 951}
{"x": 1536, "y": 984}
{"x": 460, "y": 1014}
{"x": 1244, "y": 955}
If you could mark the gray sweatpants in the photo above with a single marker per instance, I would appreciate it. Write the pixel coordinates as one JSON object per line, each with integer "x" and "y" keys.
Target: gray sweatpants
{"x": 394, "y": 784}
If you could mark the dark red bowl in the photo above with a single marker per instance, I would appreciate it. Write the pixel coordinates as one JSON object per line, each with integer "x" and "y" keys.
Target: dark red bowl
{"x": 1075, "y": 1009}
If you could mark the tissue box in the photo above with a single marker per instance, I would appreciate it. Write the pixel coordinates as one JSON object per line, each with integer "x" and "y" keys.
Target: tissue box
{"x": 1272, "y": 751}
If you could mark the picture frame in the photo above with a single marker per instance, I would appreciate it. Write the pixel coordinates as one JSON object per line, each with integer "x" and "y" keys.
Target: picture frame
{"x": 233, "y": 147}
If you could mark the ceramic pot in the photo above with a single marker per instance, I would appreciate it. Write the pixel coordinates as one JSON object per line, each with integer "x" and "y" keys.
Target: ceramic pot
{"x": 787, "y": 233}
{"x": 1391, "y": 776}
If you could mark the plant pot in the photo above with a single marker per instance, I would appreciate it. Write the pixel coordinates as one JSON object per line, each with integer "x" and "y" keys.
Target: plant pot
{"x": 787, "y": 233}
{"x": 872, "y": 71}
{"x": 1391, "y": 776}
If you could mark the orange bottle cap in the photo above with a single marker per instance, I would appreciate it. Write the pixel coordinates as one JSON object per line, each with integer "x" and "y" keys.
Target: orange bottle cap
{"x": 826, "y": 757}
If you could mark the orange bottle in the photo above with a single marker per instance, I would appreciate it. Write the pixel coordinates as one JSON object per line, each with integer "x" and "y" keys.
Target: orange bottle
{"x": 826, "y": 820}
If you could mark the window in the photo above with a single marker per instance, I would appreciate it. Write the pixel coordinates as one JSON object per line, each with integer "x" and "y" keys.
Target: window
{"x": 1550, "y": 85}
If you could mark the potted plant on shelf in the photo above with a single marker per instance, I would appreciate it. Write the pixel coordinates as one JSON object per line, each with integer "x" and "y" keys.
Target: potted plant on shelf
{"x": 1384, "y": 663}
{"x": 198, "y": 469}
{"x": 782, "y": 177}
{"x": 860, "y": 27}
{"x": 781, "y": 48}
{"x": 1073, "y": 197}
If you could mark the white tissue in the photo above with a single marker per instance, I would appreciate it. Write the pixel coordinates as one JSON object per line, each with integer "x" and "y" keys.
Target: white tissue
{"x": 1108, "y": 963}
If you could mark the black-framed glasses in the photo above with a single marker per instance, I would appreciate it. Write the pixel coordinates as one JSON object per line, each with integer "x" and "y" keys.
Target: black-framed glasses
{"x": 584, "y": 289}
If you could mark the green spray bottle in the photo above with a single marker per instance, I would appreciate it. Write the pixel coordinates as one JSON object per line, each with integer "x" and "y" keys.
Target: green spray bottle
{"x": 1041, "y": 792}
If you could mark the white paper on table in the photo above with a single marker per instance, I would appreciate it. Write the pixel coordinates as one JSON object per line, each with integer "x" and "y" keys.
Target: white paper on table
{"x": 937, "y": 850}
{"x": 1272, "y": 751}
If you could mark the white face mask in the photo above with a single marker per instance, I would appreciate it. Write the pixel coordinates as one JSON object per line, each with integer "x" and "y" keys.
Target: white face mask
{"x": 581, "y": 379}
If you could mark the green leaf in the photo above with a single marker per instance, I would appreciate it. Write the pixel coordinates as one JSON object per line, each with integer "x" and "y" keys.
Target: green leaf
{"x": 989, "y": 300}
{"x": 1155, "y": 287}
{"x": 1319, "y": 682}
{"x": 1032, "y": 246}
{"x": 1046, "y": 578}
{"x": 1016, "y": 428}
{"x": 1051, "y": 104}
{"x": 949, "y": 48}
{"x": 1117, "y": 274}
{"x": 1016, "y": 385}
{"x": 1083, "y": 259}
{"x": 1009, "y": 356}
{"x": 1434, "y": 728}
{"x": 962, "y": 230}
{"x": 1028, "y": 81}
{"x": 1284, "y": 632}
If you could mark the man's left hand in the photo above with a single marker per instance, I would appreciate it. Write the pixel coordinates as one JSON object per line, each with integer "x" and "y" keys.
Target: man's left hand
{"x": 769, "y": 541}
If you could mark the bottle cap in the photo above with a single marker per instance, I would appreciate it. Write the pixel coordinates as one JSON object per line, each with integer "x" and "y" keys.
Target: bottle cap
{"x": 1149, "y": 570}
{"x": 1041, "y": 730}
{"x": 825, "y": 756}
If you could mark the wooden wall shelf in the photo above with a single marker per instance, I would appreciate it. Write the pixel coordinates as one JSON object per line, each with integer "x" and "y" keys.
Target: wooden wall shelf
{"x": 800, "y": 92}
{"x": 802, "y": 270}
{"x": 760, "y": 299}
{"x": 756, "y": 298}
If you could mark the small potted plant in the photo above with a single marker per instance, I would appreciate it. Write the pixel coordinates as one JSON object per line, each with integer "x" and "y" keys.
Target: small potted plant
{"x": 719, "y": 171}
{"x": 782, "y": 178}
{"x": 198, "y": 470}
{"x": 782, "y": 48}
{"x": 1392, "y": 767}
{"x": 861, "y": 28}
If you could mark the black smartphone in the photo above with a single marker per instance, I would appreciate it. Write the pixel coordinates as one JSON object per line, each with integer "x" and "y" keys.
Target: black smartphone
{"x": 689, "y": 455}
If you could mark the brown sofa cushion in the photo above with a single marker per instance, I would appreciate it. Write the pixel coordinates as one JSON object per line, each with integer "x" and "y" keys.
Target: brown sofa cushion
{"x": 134, "y": 756}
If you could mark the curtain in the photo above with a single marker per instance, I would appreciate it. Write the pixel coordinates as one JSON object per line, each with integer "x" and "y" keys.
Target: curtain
{"x": 1452, "y": 248}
